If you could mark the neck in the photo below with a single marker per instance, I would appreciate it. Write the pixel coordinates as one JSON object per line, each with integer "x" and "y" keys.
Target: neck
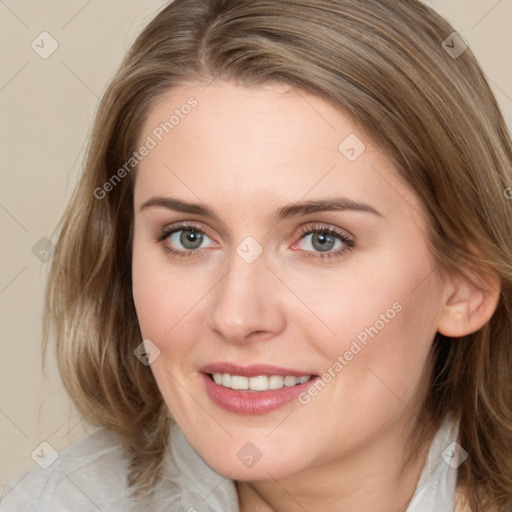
{"x": 373, "y": 479}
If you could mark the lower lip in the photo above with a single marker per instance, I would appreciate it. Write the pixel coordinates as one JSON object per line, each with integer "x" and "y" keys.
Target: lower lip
{"x": 253, "y": 402}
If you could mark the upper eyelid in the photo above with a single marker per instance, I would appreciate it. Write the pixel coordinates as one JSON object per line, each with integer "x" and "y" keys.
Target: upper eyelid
{"x": 224, "y": 228}
{"x": 192, "y": 224}
{"x": 302, "y": 231}
{"x": 181, "y": 226}
{"x": 318, "y": 226}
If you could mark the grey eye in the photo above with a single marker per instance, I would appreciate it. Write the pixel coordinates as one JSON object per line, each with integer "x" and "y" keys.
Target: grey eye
{"x": 323, "y": 241}
{"x": 189, "y": 239}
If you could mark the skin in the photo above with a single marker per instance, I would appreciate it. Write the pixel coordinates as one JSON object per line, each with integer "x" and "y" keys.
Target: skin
{"x": 246, "y": 152}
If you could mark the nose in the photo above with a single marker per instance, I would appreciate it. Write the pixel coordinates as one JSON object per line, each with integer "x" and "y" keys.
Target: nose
{"x": 245, "y": 305}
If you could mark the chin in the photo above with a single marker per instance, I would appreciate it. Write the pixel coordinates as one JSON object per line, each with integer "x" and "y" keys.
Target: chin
{"x": 254, "y": 460}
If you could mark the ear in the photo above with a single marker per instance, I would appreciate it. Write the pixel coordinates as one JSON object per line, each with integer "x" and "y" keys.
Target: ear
{"x": 468, "y": 307}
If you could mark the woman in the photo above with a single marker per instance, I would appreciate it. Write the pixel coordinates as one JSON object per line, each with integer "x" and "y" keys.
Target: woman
{"x": 284, "y": 281}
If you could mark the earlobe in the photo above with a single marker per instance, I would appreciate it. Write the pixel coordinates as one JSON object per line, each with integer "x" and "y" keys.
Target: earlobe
{"x": 469, "y": 307}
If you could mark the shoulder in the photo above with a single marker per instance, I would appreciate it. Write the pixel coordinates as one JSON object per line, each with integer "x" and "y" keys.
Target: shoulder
{"x": 90, "y": 471}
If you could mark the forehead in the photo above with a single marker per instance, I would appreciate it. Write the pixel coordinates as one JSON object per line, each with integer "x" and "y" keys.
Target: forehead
{"x": 257, "y": 146}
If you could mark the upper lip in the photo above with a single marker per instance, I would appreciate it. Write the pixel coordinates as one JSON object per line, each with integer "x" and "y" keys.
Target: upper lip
{"x": 252, "y": 370}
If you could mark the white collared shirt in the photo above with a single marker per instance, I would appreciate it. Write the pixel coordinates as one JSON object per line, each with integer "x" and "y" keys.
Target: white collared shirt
{"x": 90, "y": 475}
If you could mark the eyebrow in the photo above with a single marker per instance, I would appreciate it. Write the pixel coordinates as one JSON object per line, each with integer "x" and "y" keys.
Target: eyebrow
{"x": 291, "y": 210}
{"x": 324, "y": 205}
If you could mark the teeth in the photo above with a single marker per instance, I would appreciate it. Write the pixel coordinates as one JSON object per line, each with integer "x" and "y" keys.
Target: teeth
{"x": 239, "y": 382}
{"x": 259, "y": 383}
{"x": 275, "y": 382}
{"x": 290, "y": 381}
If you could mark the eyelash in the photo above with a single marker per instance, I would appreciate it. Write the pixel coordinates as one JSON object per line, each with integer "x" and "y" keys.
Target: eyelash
{"x": 349, "y": 244}
{"x": 166, "y": 233}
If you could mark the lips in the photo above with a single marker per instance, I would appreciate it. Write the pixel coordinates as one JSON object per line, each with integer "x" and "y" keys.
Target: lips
{"x": 253, "y": 389}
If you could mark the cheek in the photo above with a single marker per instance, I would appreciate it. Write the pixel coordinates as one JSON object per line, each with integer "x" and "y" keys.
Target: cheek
{"x": 150, "y": 299}
{"x": 170, "y": 303}
{"x": 154, "y": 293}
{"x": 163, "y": 302}
{"x": 360, "y": 303}
{"x": 161, "y": 297}
{"x": 382, "y": 323}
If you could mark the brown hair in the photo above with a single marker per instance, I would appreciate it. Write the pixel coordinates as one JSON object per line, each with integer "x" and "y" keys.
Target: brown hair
{"x": 383, "y": 63}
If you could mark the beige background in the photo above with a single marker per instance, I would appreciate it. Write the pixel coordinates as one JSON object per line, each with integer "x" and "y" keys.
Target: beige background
{"x": 46, "y": 110}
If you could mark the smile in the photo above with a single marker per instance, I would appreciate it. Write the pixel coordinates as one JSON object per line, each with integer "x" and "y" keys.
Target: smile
{"x": 254, "y": 389}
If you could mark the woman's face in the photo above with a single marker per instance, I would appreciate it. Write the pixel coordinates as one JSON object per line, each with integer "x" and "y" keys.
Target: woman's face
{"x": 273, "y": 241}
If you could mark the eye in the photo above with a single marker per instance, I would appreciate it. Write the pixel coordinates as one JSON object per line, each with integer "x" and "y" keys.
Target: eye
{"x": 321, "y": 241}
{"x": 183, "y": 240}
{"x": 189, "y": 239}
